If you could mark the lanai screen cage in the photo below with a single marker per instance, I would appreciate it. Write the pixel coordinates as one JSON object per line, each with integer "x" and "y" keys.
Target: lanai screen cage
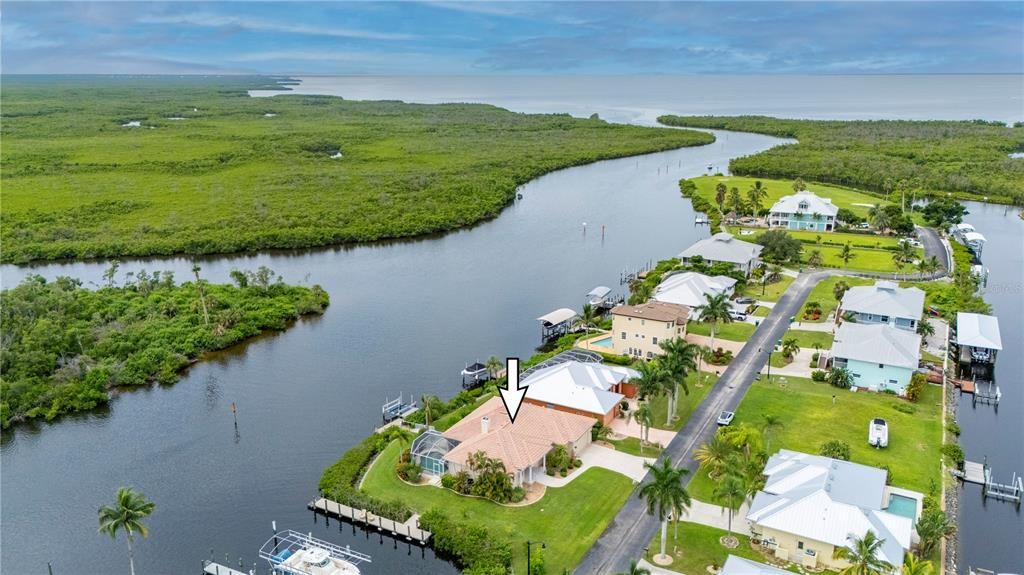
{"x": 429, "y": 449}
{"x": 572, "y": 354}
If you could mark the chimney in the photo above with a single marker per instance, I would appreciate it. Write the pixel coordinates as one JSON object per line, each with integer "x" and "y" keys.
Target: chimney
{"x": 485, "y": 424}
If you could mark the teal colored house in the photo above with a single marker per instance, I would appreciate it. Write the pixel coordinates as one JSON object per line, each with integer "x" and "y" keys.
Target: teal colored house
{"x": 879, "y": 356}
{"x": 803, "y": 211}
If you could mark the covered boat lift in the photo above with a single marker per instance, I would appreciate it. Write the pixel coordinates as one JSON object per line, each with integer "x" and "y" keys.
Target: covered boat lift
{"x": 977, "y": 341}
{"x": 599, "y": 297}
{"x": 557, "y": 323}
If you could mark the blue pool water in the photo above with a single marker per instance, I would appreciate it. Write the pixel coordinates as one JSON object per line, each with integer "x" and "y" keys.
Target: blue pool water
{"x": 605, "y": 342}
{"x": 902, "y": 505}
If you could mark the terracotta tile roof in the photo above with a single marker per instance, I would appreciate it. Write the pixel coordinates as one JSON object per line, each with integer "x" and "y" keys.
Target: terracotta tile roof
{"x": 520, "y": 445}
{"x": 655, "y": 310}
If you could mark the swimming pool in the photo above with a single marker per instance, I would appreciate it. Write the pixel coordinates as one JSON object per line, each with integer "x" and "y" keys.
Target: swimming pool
{"x": 902, "y": 505}
{"x": 605, "y": 342}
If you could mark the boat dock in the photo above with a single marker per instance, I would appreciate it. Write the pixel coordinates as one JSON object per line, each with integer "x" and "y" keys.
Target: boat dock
{"x": 410, "y": 529}
{"x": 981, "y": 474}
{"x": 397, "y": 408}
{"x": 212, "y": 568}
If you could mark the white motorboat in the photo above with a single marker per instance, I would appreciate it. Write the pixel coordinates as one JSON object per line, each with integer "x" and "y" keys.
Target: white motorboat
{"x": 878, "y": 433}
{"x": 293, "y": 553}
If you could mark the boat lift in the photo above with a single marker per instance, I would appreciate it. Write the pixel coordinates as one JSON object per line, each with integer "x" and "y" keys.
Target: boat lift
{"x": 397, "y": 408}
{"x": 288, "y": 542}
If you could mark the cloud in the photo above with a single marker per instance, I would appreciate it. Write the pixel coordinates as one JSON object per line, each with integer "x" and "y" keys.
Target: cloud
{"x": 16, "y": 36}
{"x": 210, "y": 20}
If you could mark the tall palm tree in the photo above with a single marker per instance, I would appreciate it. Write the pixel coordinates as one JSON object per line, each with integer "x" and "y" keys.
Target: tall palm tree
{"x": 846, "y": 254}
{"x": 914, "y": 566}
{"x": 715, "y": 309}
{"x": 202, "y": 294}
{"x": 790, "y": 347}
{"x": 428, "y": 410}
{"x": 925, "y": 328}
{"x": 862, "y": 554}
{"x": 878, "y": 218}
{"x": 652, "y": 374}
{"x": 588, "y": 317}
{"x": 720, "y": 191}
{"x": 731, "y": 491}
{"x": 840, "y": 289}
{"x": 735, "y": 200}
{"x": 645, "y": 419}
{"x": 636, "y": 569}
{"x": 904, "y": 254}
{"x": 493, "y": 365}
{"x": 769, "y": 421}
{"x": 680, "y": 360}
{"x": 665, "y": 494}
{"x": 714, "y": 454}
{"x": 770, "y": 274}
{"x": 756, "y": 195}
{"x": 815, "y": 259}
{"x": 126, "y": 515}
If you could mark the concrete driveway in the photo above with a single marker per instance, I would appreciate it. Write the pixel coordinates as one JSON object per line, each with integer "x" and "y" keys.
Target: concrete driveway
{"x": 599, "y": 456}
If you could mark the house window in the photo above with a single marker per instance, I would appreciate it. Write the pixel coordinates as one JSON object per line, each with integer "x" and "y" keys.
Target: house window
{"x": 643, "y": 322}
{"x": 892, "y": 382}
{"x": 799, "y": 544}
{"x": 623, "y": 335}
{"x": 654, "y": 340}
{"x": 857, "y": 375}
{"x": 881, "y": 366}
{"x": 885, "y": 318}
{"x": 649, "y": 355}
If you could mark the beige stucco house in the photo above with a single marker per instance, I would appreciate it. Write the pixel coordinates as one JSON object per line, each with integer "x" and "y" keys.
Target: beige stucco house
{"x": 638, "y": 330}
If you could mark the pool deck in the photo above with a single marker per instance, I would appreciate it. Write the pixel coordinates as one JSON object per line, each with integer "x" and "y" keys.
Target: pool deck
{"x": 588, "y": 343}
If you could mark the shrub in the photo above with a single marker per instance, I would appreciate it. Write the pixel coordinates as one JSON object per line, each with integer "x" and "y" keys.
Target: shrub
{"x": 904, "y": 407}
{"x": 472, "y": 547}
{"x": 338, "y": 482}
{"x": 835, "y": 449}
{"x": 916, "y": 386}
{"x": 449, "y": 481}
{"x": 518, "y": 494}
{"x": 818, "y": 375}
{"x": 720, "y": 357}
{"x": 953, "y": 428}
{"x": 409, "y": 471}
{"x": 954, "y": 453}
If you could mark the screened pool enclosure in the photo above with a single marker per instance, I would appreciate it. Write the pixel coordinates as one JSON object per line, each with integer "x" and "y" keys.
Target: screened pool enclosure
{"x": 429, "y": 449}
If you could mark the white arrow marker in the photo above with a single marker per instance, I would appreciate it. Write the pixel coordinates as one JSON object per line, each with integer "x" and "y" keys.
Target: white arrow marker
{"x": 512, "y": 395}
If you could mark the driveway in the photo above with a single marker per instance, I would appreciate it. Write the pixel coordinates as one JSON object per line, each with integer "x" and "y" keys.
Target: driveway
{"x": 716, "y": 516}
{"x": 629, "y": 427}
{"x": 799, "y": 367}
{"x": 632, "y": 528}
{"x": 599, "y": 456}
{"x": 933, "y": 246}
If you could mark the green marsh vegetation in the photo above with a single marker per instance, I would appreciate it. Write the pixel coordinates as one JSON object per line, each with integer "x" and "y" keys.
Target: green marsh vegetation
{"x": 237, "y": 173}
{"x": 968, "y": 159}
{"x": 64, "y": 346}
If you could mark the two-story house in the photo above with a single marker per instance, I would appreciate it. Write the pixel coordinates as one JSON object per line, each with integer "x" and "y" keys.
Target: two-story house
{"x": 639, "y": 330}
{"x": 803, "y": 211}
{"x": 884, "y": 302}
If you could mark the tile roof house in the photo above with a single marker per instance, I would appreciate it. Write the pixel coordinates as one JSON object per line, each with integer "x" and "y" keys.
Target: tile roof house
{"x": 521, "y": 446}
{"x": 811, "y": 505}
{"x": 884, "y": 302}
{"x": 723, "y": 247}
{"x": 803, "y": 210}
{"x": 593, "y": 390}
{"x": 689, "y": 288}
{"x": 878, "y": 356}
{"x": 639, "y": 330}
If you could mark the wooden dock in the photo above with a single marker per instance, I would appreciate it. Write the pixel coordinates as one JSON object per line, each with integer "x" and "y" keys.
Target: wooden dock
{"x": 211, "y": 568}
{"x": 410, "y": 529}
{"x": 981, "y": 474}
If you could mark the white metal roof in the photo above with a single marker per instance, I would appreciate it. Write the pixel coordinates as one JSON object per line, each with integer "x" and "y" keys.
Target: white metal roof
{"x": 722, "y": 247}
{"x": 600, "y": 291}
{"x": 813, "y": 202}
{"x": 688, "y": 288}
{"x": 977, "y": 330}
{"x": 582, "y": 386}
{"x": 558, "y": 316}
{"x": 972, "y": 237}
{"x": 964, "y": 228}
{"x": 885, "y": 298}
{"x": 877, "y": 343}
{"x": 739, "y": 566}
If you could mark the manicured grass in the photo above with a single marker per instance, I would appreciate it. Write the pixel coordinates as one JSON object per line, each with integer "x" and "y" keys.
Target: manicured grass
{"x": 931, "y": 357}
{"x": 808, "y": 339}
{"x": 811, "y": 241}
{"x": 842, "y": 197}
{"x": 868, "y": 260}
{"x": 631, "y": 445}
{"x": 772, "y": 291}
{"x": 229, "y": 179}
{"x": 568, "y": 519}
{"x": 762, "y": 311}
{"x": 809, "y": 419}
{"x": 698, "y": 546}
{"x": 449, "y": 419}
{"x": 779, "y": 360}
{"x": 735, "y": 331}
{"x": 686, "y": 403}
{"x": 822, "y": 293}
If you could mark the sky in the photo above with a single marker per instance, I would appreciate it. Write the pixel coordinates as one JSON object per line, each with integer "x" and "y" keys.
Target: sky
{"x": 443, "y": 37}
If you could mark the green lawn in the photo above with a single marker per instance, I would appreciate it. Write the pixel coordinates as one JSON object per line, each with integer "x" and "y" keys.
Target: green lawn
{"x": 809, "y": 419}
{"x": 842, "y": 197}
{"x": 856, "y": 240}
{"x": 631, "y": 445}
{"x": 734, "y": 331}
{"x": 686, "y": 404}
{"x": 808, "y": 339}
{"x": 568, "y": 519}
{"x": 698, "y": 546}
{"x": 865, "y": 259}
{"x": 762, "y": 311}
{"x": 822, "y": 293}
{"x": 772, "y": 291}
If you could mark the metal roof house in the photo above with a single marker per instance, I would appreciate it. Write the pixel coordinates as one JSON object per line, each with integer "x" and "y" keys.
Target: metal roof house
{"x": 803, "y": 210}
{"x": 811, "y": 505}
{"x": 739, "y": 566}
{"x": 591, "y": 389}
{"x": 689, "y": 288}
{"x": 723, "y": 247}
{"x": 884, "y": 302}
{"x": 878, "y": 356}
{"x": 977, "y": 337}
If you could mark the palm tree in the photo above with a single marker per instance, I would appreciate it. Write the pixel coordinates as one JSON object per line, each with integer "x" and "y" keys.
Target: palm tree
{"x": 790, "y": 347}
{"x": 715, "y": 309}
{"x": 652, "y": 374}
{"x": 639, "y": 292}
{"x": 635, "y": 569}
{"x": 735, "y": 200}
{"x": 914, "y": 566}
{"x": 588, "y": 317}
{"x": 878, "y": 218}
{"x": 731, "y": 491}
{"x": 770, "y": 274}
{"x": 645, "y": 419}
{"x": 126, "y": 515}
{"x": 799, "y": 185}
{"x": 904, "y": 254}
{"x": 427, "y": 401}
{"x": 839, "y": 290}
{"x": 202, "y": 294}
{"x": 933, "y": 264}
{"x": 925, "y": 328}
{"x": 933, "y": 526}
{"x": 769, "y": 422}
{"x": 746, "y": 438}
{"x": 815, "y": 259}
{"x": 714, "y": 454}
{"x": 862, "y": 554}
{"x": 680, "y": 360}
{"x": 665, "y": 494}
{"x": 846, "y": 254}
{"x": 493, "y": 365}
{"x": 755, "y": 195}
{"x": 720, "y": 190}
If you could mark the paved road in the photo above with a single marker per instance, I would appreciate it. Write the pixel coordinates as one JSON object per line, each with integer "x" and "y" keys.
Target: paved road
{"x": 933, "y": 247}
{"x": 632, "y": 528}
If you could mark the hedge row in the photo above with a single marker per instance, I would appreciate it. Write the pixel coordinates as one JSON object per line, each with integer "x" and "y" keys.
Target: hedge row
{"x": 338, "y": 482}
{"x": 474, "y": 548}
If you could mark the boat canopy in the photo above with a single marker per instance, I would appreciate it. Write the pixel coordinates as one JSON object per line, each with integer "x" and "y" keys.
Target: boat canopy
{"x": 556, "y": 317}
{"x": 978, "y": 331}
{"x": 599, "y": 291}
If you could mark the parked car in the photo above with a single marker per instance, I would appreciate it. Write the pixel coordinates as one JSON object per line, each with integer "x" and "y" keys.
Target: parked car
{"x": 725, "y": 418}
{"x": 864, "y": 226}
{"x": 737, "y": 315}
{"x": 745, "y": 300}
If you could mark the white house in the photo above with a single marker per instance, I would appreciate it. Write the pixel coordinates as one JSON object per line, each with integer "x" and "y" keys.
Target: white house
{"x": 591, "y": 389}
{"x": 811, "y": 505}
{"x": 878, "y": 356}
{"x": 723, "y": 247}
{"x": 884, "y": 302}
{"x": 803, "y": 210}
{"x": 689, "y": 288}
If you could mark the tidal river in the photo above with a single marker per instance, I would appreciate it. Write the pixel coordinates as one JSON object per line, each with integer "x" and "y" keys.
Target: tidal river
{"x": 404, "y": 317}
